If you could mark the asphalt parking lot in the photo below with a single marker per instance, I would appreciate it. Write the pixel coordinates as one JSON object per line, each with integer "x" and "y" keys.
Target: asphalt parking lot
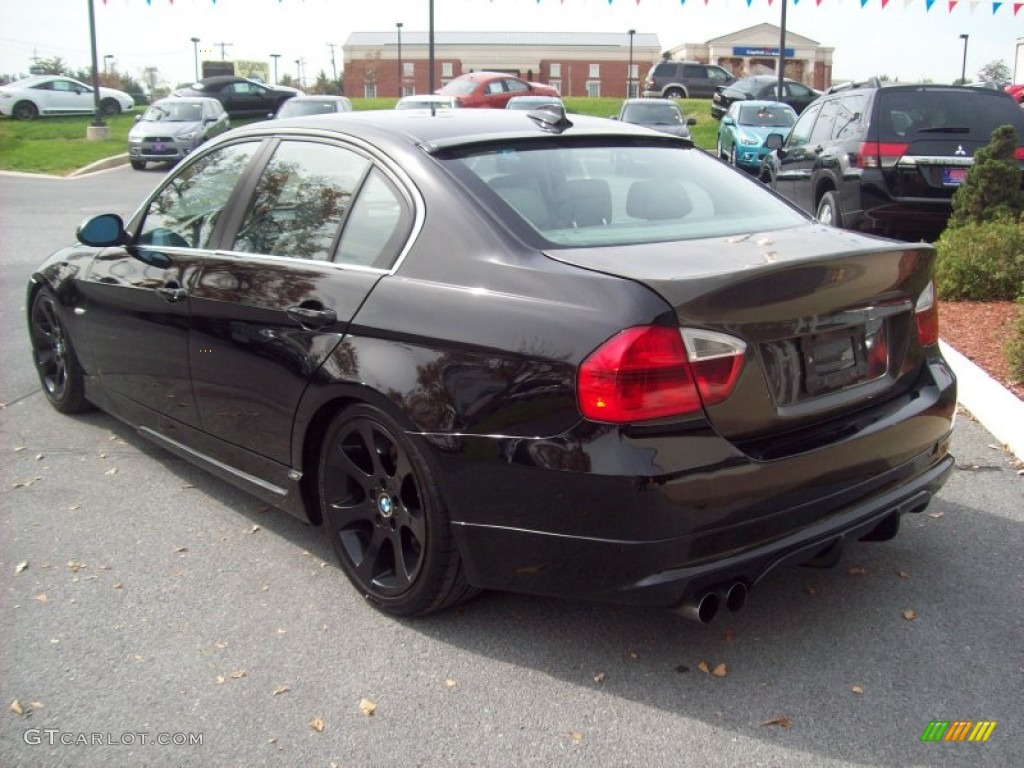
{"x": 144, "y": 600}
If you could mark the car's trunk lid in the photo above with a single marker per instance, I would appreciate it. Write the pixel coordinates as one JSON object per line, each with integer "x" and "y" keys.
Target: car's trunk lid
{"x": 827, "y": 315}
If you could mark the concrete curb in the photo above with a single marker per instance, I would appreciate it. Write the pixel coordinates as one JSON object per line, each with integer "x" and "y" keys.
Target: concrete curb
{"x": 998, "y": 410}
{"x": 101, "y": 165}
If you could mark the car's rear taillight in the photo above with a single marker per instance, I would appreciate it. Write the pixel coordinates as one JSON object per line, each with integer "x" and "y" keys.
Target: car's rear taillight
{"x": 926, "y": 314}
{"x": 1018, "y": 153}
{"x": 877, "y": 154}
{"x": 650, "y": 372}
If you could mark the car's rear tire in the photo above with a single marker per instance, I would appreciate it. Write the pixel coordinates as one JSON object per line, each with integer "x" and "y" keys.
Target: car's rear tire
{"x": 55, "y": 360}
{"x": 25, "y": 110}
{"x": 138, "y": 165}
{"x": 110, "y": 107}
{"x": 384, "y": 517}
{"x": 675, "y": 93}
{"x": 829, "y": 210}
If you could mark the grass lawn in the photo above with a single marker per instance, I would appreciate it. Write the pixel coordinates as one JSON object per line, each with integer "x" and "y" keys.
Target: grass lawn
{"x": 57, "y": 145}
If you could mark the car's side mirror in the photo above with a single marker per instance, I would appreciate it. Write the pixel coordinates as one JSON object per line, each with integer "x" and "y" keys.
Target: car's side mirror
{"x": 773, "y": 141}
{"x": 614, "y": 117}
{"x": 102, "y": 231}
{"x": 137, "y": 118}
{"x": 728, "y": 121}
{"x": 691, "y": 121}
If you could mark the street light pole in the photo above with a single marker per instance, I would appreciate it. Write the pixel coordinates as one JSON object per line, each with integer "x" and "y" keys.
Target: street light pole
{"x": 195, "y": 54}
{"x": 398, "y": 26}
{"x": 963, "y": 68}
{"x": 97, "y": 129}
{"x": 629, "y": 74}
{"x": 275, "y": 57}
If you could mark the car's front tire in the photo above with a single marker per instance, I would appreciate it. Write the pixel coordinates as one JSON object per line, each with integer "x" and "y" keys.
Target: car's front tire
{"x": 55, "y": 360}
{"x": 138, "y": 165}
{"x": 110, "y": 107}
{"x": 25, "y": 110}
{"x": 675, "y": 93}
{"x": 384, "y": 517}
{"x": 829, "y": 210}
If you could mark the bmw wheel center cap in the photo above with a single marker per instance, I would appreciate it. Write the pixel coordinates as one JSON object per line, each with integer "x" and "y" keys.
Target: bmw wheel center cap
{"x": 385, "y": 505}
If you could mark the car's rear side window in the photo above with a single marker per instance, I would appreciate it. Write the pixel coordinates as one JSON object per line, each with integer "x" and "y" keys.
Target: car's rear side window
{"x": 599, "y": 193}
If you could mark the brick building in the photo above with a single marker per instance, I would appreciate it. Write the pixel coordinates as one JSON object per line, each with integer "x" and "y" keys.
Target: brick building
{"x": 576, "y": 63}
{"x": 394, "y": 63}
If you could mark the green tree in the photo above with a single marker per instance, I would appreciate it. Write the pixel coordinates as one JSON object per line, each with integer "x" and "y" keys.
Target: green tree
{"x": 322, "y": 84}
{"x": 992, "y": 191}
{"x": 54, "y": 66}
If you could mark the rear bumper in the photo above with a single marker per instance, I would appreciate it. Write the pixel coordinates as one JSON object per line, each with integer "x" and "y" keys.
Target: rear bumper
{"x": 655, "y": 516}
{"x": 868, "y": 208}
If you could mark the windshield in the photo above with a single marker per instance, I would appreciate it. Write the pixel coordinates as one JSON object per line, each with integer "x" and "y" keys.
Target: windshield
{"x": 174, "y": 112}
{"x": 610, "y": 192}
{"x": 767, "y": 117}
{"x": 460, "y": 86}
{"x": 293, "y": 108}
{"x": 652, "y": 114}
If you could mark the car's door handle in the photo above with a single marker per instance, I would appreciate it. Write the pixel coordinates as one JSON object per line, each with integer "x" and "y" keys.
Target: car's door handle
{"x": 309, "y": 317}
{"x": 172, "y": 293}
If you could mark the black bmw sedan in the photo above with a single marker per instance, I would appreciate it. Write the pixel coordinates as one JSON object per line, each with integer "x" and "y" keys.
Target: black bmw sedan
{"x": 511, "y": 350}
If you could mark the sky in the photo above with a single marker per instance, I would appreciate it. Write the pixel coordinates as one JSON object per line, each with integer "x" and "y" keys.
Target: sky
{"x": 903, "y": 40}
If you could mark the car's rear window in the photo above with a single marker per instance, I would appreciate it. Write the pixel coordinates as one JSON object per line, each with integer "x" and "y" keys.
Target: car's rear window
{"x": 593, "y": 192}
{"x": 460, "y": 86}
{"x": 967, "y": 112}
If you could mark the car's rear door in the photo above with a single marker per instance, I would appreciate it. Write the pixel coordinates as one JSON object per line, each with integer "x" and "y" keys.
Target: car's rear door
{"x": 324, "y": 223}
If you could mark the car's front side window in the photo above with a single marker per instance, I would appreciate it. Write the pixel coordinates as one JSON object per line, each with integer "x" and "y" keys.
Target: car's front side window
{"x": 185, "y": 212}
{"x": 300, "y": 201}
{"x": 802, "y": 130}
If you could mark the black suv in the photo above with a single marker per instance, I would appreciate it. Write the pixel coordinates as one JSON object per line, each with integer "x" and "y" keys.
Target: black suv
{"x": 685, "y": 80}
{"x": 887, "y": 159}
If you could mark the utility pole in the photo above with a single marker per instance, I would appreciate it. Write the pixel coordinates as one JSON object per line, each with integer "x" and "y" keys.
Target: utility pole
{"x": 275, "y": 57}
{"x": 334, "y": 66}
{"x": 223, "y": 48}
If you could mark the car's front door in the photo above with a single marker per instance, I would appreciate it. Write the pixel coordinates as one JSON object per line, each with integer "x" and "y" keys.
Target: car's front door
{"x": 137, "y": 313}
{"x": 323, "y": 225}
{"x": 792, "y": 169}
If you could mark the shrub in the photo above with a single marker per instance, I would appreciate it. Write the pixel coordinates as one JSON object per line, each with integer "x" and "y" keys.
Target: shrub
{"x": 992, "y": 190}
{"x": 981, "y": 261}
{"x": 1015, "y": 346}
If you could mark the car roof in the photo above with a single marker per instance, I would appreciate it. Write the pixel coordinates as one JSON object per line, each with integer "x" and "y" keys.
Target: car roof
{"x": 446, "y": 128}
{"x": 763, "y": 103}
{"x": 321, "y": 97}
{"x": 187, "y": 99}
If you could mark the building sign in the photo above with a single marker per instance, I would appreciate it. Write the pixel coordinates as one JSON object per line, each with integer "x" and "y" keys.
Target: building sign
{"x": 743, "y": 50}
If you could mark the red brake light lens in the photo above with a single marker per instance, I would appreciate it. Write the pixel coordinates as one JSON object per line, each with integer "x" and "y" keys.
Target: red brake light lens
{"x": 875, "y": 154}
{"x": 926, "y": 314}
{"x": 1018, "y": 153}
{"x": 645, "y": 373}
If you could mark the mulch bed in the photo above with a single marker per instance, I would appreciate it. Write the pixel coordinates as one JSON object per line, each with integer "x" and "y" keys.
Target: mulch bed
{"x": 979, "y": 331}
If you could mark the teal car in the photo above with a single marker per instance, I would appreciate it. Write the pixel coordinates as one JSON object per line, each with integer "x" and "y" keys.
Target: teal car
{"x": 744, "y": 127}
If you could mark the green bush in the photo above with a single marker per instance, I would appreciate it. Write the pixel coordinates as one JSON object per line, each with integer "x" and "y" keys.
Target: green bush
{"x": 992, "y": 191}
{"x": 981, "y": 261}
{"x": 1015, "y": 346}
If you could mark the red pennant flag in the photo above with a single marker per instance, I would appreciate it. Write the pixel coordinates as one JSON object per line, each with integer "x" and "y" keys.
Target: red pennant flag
{"x": 885, "y": 3}
{"x": 952, "y": 5}
{"x": 1017, "y": 7}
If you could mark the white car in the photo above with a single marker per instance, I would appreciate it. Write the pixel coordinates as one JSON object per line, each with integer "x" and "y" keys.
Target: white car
{"x": 427, "y": 101}
{"x": 57, "y": 95}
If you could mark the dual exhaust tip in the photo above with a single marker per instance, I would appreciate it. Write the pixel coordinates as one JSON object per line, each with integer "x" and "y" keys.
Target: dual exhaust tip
{"x": 704, "y": 607}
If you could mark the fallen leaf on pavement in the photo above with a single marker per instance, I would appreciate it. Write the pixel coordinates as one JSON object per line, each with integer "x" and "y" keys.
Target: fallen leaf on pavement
{"x": 703, "y": 667}
{"x": 16, "y": 707}
{"x": 181, "y": 549}
{"x": 729, "y": 635}
{"x": 858, "y": 571}
{"x": 719, "y": 670}
{"x": 857, "y": 689}
{"x": 21, "y": 566}
{"x": 599, "y": 678}
{"x": 317, "y": 724}
{"x": 576, "y": 737}
{"x": 74, "y": 507}
{"x": 111, "y": 471}
{"x": 810, "y": 590}
{"x": 237, "y": 674}
{"x": 909, "y": 615}
{"x": 42, "y": 598}
{"x": 903, "y": 574}
{"x": 936, "y": 515}
{"x": 39, "y": 457}
{"x": 19, "y": 449}
{"x": 780, "y": 720}
{"x": 219, "y": 679}
{"x": 367, "y": 707}
{"x": 254, "y": 529}
{"x": 450, "y": 684}
{"x": 282, "y": 689}
{"x": 119, "y": 585}
{"x": 76, "y": 566}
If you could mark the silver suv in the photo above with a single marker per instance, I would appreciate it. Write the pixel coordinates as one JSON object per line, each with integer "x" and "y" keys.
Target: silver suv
{"x": 685, "y": 79}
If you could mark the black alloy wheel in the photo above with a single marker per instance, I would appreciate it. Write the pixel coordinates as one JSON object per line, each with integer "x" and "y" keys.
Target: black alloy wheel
{"x": 110, "y": 107}
{"x": 25, "y": 110}
{"x": 384, "y": 517}
{"x": 55, "y": 360}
